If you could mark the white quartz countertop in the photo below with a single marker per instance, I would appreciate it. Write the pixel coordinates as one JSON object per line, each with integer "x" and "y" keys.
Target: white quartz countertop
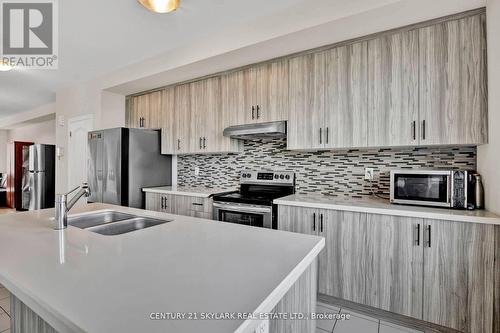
{"x": 381, "y": 206}
{"x": 202, "y": 192}
{"x": 80, "y": 281}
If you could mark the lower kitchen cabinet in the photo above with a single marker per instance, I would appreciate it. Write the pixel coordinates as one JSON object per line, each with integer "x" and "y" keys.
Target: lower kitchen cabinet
{"x": 179, "y": 205}
{"x": 459, "y": 275}
{"x": 434, "y": 270}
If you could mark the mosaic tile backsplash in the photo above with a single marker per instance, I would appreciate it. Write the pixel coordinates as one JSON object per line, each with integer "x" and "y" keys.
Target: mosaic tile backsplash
{"x": 335, "y": 173}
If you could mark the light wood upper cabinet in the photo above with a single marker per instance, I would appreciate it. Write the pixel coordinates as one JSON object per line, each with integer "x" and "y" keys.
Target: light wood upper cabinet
{"x": 306, "y": 101}
{"x": 257, "y": 94}
{"x": 271, "y": 91}
{"x": 184, "y": 121}
{"x": 168, "y": 124}
{"x": 237, "y": 97}
{"x": 145, "y": 111}
{"x": 453, "y": 93}
{"x": 205, "y": 104}
{"x": 346, "y": 93}
{"x": 458, "y": 275}
{"x": 393, "y": 90}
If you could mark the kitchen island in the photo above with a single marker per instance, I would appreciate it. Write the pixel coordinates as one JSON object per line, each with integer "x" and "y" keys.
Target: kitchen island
{"x": 80, "y": 281}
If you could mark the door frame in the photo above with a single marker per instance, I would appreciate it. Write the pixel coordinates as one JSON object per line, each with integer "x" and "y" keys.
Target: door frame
{"x": 71, "y": 120}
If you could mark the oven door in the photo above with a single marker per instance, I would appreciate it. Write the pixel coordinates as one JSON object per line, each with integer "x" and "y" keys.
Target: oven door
{"x": 252, "y": 215}
{"x": 421, "y": 187}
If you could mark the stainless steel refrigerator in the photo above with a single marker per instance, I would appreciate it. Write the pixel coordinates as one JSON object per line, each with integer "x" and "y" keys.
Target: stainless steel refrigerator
{"x": 122, "y": 162}
{"x": 41, "y": 177}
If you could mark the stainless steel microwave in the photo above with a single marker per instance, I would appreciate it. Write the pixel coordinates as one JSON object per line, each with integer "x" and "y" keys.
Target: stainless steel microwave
{"x": 439, "y": 188}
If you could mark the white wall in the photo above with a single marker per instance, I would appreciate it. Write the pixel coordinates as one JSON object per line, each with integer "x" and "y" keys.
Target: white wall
{"x": 3, "y": 151}
{"x": 42, "y": 132}
{"x": 108, "y": 110}
{"x": 489, "y": 155}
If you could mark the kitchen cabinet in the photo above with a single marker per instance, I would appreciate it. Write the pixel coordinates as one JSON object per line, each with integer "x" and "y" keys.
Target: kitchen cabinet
{"x": 345, "y": 123}
{"x": 458, "y": 275}
{"x": 393, "y": 112}
{"x": 158, "y": 202}
{"x": 307, "y": 101}
{"x": 184, "y": 120}
{"x": 368, "y": 259}
{"x": 198, "y": 121}
{"x": 435, "y": 270}
{"x": 453, "y": 82}
{"x": 257, "y": 94}
{"x": 168, "y": 124}
{"x": 145, "y": 111}
{"x": 328, "y": 95}
{"x": 179, "y": 204}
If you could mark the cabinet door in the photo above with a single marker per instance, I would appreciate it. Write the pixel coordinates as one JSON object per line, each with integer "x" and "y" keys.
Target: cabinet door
{"x": 346, "y": 94}
{"x": 298, "y": 219}
{"x": 306, "y": 102}
{"x": 134, "y": 119}
{"x": 453, "y": 96}
{"x": 153, "y": 202}
{"x": 271, "y": 92}
{"x": 168, "y": 124}
{"x": 458, "y": 275}
{"x": 238, "y": 96}
{"x": 183, "y": 119}
{"x": 205, "y": 108}
{"x": 393, "y": 90}
{"x": 394, "y": 264}
{"x": 152, "y": 116}
{"x": 342, "y": 271}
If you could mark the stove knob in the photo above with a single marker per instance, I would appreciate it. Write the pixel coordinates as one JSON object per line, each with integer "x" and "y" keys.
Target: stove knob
{"x": 249, "y": 175}
{"x": 282, "y": 177}
{"x": 244, "y": 175}
{"x": 276, "y": 176}
{"x": 287, "y": 177}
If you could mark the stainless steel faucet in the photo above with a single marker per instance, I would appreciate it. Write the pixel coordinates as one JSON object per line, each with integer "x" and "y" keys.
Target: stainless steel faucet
{"x": 63, "y": 205}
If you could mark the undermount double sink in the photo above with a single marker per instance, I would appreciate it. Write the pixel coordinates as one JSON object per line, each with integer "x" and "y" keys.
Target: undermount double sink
{"x": 110, "y": 223}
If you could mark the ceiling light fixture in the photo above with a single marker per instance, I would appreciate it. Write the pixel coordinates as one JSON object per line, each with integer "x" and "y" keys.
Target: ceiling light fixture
{"x": 161, "y": 6}
{"x": 5, "y": 66}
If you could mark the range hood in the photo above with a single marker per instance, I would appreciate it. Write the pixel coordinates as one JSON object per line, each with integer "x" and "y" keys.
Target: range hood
{"x": 253, "y": 132}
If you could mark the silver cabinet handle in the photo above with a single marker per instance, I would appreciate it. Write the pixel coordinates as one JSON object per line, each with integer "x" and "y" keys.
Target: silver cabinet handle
{"x": 201, "y": 143}
{"x": 204, "y": 143}
{"x": 314, "y": 221}
{"x": 162, "y": 202}
{"x": 253, "y": 112}
{"x": 258, "y": 109}
{"x": 414, "y": 129}
{"x": 423, "y": 129}
{"x": 178, "y": 144}
{"x": 321, "y": 136}
{"x": 321, "y": 223}
{"x": 327, "y": 134}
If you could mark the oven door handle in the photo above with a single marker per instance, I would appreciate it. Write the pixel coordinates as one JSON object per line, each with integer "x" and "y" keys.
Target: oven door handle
{"x": 245, "y": 209}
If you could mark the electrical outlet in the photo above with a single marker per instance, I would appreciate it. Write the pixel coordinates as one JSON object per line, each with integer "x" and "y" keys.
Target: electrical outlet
{"x": 196, "y": 171}
{"x": 369, "y": 173}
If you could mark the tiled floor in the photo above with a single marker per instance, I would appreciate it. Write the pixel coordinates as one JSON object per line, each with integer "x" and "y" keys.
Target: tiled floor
{"x": 4, "y": 310}
{"x": 351, "y": 322}
{"x": 347, "y": 322}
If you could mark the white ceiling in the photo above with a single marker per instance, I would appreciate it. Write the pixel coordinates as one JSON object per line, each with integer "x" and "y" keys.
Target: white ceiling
{"x": 116, "y": 36}
{"x": 97, "y": 37}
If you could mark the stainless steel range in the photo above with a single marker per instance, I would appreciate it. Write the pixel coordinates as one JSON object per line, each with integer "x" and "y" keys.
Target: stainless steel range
{"x": 253, "y": 204}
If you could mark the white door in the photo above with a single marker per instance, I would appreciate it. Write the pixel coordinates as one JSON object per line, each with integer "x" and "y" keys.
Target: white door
{"x": 78, "y": 129}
